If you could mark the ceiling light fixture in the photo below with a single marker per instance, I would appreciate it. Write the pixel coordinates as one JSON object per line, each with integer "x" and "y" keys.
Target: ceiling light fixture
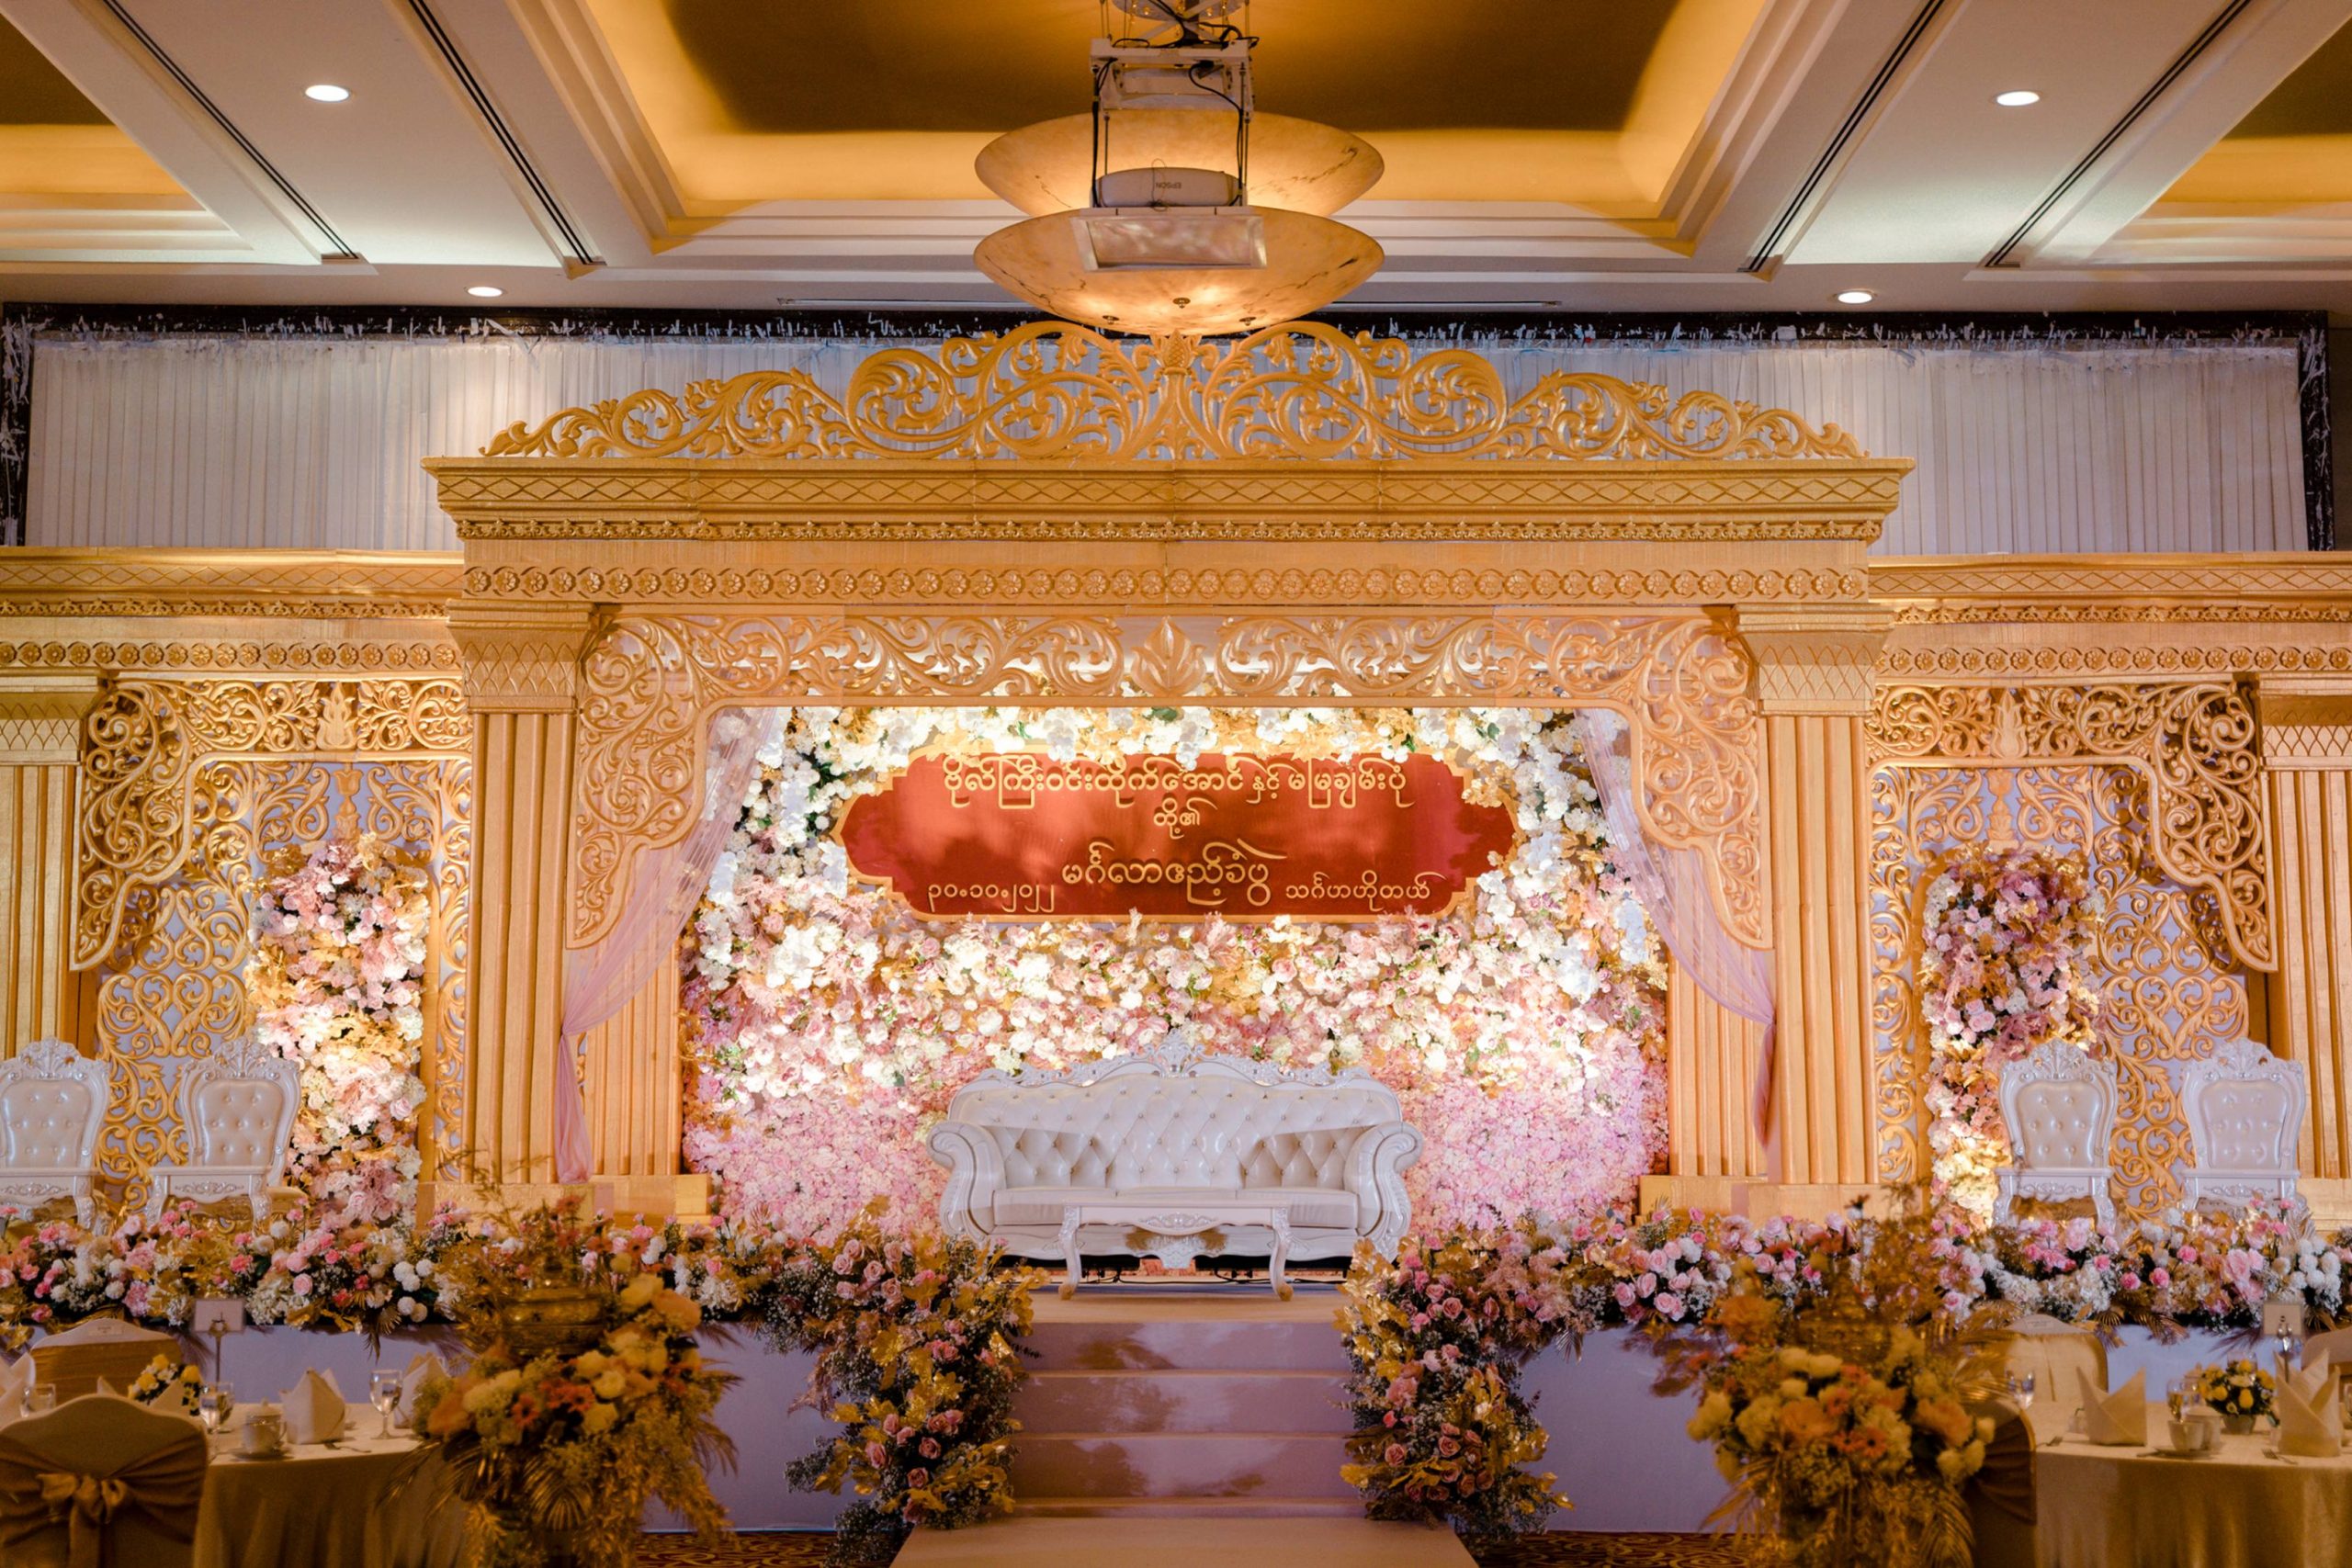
{"x": 485, "y": 292}
{"x": 2017, "y": 97}
{"x": 327, "y": 93}
{"x": 1855, "y": 296}
{"x": 1174, "y": 207}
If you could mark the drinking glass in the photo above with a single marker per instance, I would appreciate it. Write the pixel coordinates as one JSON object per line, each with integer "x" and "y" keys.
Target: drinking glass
{"x": 2021, "y": 1391}
{"x": 212, "y": 1407}
{"x": 384, "y": 1393}
{"x": 2177, "y": 1396}
{"x": 43, "y": 1399}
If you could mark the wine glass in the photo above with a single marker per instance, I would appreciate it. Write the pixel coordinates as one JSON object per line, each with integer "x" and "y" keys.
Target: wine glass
{"x": 41, "y": 1398}
{"x": 2177, "y": 1397}
{"x": 2021, "y": 1386}
{"x": 384, "y": 1393}
{"x": 212, "y": 1407}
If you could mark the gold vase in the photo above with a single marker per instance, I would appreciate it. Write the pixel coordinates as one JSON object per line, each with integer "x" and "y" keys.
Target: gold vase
{"x": 561, "y": 1318}
{"x": 1841, "y": 1328}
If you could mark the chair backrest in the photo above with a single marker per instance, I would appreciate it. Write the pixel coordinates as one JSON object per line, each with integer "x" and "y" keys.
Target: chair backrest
{"x": 105, "y": 1435}
{"x": 53, "y": 1099}
{"x": 237, "y": 1106}
{"x": 2058, "y": 1102}
{"x": 2245, "y": 1109}
{"x": 2054, "y": 1351}
{"x": 1174, "y": 1117}
{"x": 97, "y": 1347}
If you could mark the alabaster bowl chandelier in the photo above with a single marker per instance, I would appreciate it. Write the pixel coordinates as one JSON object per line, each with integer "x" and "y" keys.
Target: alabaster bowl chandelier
{"x": 1173, "y": 207}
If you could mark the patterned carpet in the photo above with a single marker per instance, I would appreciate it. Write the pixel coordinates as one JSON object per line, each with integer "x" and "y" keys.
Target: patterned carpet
{"x": 1564, "y": 1550}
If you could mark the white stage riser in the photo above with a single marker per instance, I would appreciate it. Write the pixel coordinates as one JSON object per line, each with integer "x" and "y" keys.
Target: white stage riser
{"x": 1619, "y": 1452}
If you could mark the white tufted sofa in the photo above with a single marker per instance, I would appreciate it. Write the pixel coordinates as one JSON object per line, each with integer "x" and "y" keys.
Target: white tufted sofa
{"x": 53, "y": 1099}
{"x": 2058, "y": 1102}
{"x": 2245, "y": 1123}
{"x": 1172, "y": 1126}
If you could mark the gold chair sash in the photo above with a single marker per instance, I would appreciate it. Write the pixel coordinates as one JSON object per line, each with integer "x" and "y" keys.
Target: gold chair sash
{"x": 2006, "y": 1481}
{"x": 167, "y": 1484}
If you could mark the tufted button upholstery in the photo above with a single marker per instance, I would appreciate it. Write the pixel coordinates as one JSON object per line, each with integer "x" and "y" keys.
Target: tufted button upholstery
{"x": 236, "y": 1122}
{"x": 2058, "y": 1125}
{"x": 2244, "y": 1123}
{"x": 45, "y": 1119}
{"x": 1174, "y": 1132}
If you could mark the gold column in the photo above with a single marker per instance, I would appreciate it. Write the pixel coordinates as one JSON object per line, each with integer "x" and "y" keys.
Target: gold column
{"x": 1813, "y": 682}
{"x": 41, "y": 731}
{"x": 1711, "y": 1078}
{"x": 2306, "y": 743}
{"x": 522, "y": 682}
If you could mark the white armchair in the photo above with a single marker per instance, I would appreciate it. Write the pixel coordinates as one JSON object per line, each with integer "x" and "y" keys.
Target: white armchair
{"x": 2246, "y": 1123}
{"x": 2059, "y": 1106}
{"x": 237, "y": 1110}
{"x": 53, "y": 1101}
{"x": 1173, "y": 1126}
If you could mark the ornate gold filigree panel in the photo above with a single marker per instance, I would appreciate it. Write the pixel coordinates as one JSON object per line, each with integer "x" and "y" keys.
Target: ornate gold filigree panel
{"x": 2193, "y": 744}
{"x": 2169, "y": 995}
{"x": 1054, "y": 390}
{"x": 652, "y": 682}
{"x": 172, "y": 989}
{"x": 145, "y": 743}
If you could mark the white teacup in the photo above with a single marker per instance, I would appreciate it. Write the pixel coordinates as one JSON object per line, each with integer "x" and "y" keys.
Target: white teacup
{"x": 2190, "y": 1435}
{"x": 263, "y": 1434}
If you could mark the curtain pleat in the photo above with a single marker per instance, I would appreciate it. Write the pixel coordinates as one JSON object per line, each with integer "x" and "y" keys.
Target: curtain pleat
{"x": 315, "y": 443}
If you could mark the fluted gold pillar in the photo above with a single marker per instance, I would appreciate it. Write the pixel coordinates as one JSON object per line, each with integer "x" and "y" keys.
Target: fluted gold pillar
{"x": 522, "y": 682}
{"x": 40, "y": 729}
{"x": 1813, "y": 682}
{"x": 2306, "y": 754}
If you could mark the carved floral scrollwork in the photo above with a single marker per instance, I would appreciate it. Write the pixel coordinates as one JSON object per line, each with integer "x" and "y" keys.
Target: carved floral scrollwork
{"x": 144, "y": 784}
{"x": 1054, "y": 390}
{"x": 652, "y": 682}
{"x": 2194, "y": 743}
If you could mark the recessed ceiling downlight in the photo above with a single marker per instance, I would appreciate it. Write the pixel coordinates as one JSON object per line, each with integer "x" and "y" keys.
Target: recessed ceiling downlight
{"x": 2017, "y": 97}
{"x": 326, "y": 93}
{"x": 485, "y": 292}
{"x": 1855, "y": 296}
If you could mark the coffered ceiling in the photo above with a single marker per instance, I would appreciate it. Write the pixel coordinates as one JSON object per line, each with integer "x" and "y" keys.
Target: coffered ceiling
{"x": 1744, "y": 155}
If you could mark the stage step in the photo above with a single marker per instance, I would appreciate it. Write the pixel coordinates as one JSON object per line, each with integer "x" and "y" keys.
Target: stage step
{"x": 1178, "y": 1465}
{"x": 1152, "y": 1541}
{"x": 1174, "y": 1400}
{"x": 1178, "y": 1403}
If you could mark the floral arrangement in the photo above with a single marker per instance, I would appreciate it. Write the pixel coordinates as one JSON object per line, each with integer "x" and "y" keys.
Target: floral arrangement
{"x": 2240, "y": 1391}
{"x": 916, "y": 1340}
{"x": 1843, "y": 1422}
{"x": 337, "y": 981}
{"x": 2005, "y": 966}
{"x": 588, "y": 1396}
{"x": 165, "y": 1379}
{"x": 1436, "y": 1340}
{"x": 309, "y": 1272}
{"x": 1523, "y": 1033}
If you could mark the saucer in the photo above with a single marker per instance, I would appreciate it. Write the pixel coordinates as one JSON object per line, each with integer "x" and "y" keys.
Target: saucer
{"x": 2180, "y": 1453}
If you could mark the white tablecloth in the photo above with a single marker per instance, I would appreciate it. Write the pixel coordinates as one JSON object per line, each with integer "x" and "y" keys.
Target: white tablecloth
{"x": 346, "y": 1506}
{"x": 2241, "y": 1509}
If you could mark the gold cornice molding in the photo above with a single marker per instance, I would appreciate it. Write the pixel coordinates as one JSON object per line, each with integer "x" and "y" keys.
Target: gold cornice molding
{"x": 884, "y": 502}
{"x": 2289, "y": 585}
{"x": 40, "y": 715}
{"x": 1056, "y": 391}
{"x": 57, "y": 583}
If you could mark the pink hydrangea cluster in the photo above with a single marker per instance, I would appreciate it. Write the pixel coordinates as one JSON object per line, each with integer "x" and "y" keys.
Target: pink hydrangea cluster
{"x": 2005, "y": 966}
{"x": 336, "y": 978}
{"x": 1524, "y": 1033}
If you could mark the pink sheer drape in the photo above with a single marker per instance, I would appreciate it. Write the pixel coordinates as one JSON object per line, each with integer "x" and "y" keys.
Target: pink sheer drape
{"x": 663, "y": 889}
{"x": 1672, "y": 886}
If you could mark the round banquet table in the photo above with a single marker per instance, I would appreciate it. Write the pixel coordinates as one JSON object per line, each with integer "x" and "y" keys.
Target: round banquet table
{"x": 2241, "y": 1509}
{"x": 345, "y": 1506}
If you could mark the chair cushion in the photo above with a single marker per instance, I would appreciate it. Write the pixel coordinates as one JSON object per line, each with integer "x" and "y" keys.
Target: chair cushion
{"x": 1038, "y": 1205}
{"x": 1311, "y": 1205}
{"x": 1178, "y": 1196}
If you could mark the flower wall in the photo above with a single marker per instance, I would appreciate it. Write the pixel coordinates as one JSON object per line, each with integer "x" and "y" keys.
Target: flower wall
{"x": 337, "y": 985}
{"x": 830, "y": 1025}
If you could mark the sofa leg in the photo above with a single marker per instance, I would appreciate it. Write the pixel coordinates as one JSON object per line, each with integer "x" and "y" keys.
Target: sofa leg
{"x": 1281, "y": 1259}
{"x": 1069, "y": 1251}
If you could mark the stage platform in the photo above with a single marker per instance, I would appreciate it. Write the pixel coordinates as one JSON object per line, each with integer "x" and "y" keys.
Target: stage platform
{"x": 1186, "y": 1542}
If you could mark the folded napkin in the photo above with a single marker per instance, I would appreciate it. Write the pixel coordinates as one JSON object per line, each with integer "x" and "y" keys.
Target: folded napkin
{"x": 422, "y": 1370}
{"x": 2309, "y": 1421}
{"x": 2118, "y": 1418}
{"x": 314, "y": 1410}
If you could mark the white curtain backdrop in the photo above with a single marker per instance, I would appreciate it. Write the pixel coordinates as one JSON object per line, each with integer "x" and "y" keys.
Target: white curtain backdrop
{"x": 663, "y": 888}
{"x": 309, "y": 443}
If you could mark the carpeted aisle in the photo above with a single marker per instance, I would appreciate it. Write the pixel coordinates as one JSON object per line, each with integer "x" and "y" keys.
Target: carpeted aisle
{"x": 1561, "y": 1549}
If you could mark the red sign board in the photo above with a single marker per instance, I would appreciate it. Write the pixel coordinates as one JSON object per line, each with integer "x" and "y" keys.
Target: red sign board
{"x": 1019, "y": 836}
